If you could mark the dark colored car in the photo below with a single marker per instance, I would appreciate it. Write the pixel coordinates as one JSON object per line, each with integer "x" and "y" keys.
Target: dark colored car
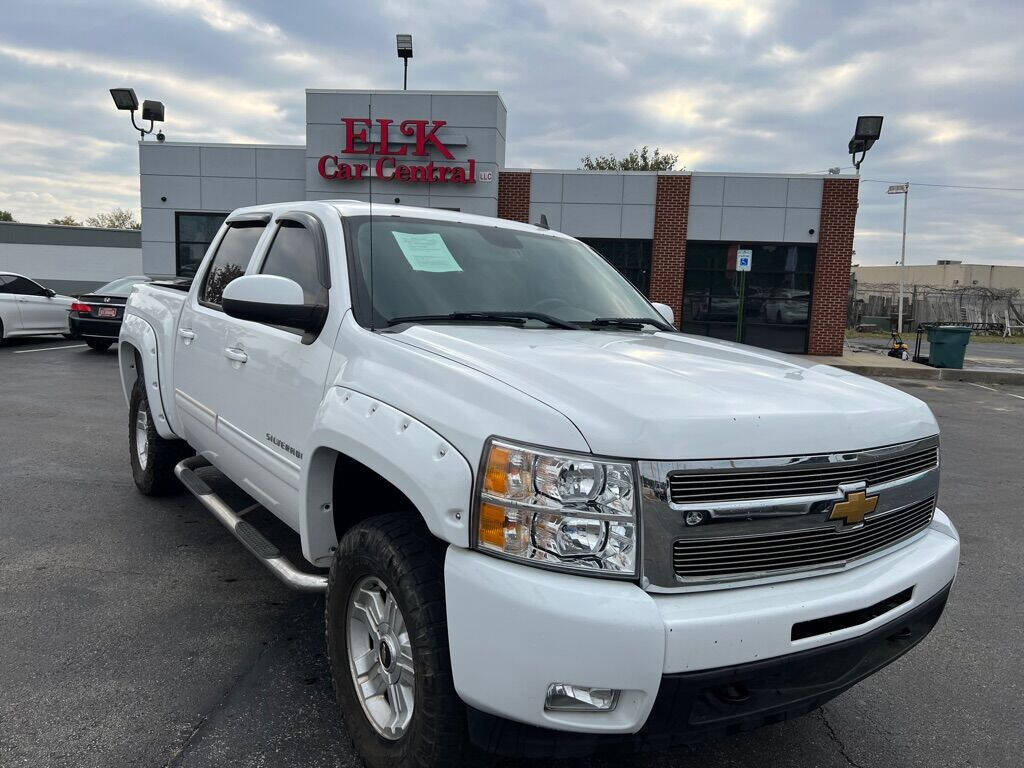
{"x": 96, "y": 317}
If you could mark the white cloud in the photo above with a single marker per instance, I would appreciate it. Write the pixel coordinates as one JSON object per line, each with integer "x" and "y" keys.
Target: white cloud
{"x": 223, "y": 17}
{"x": 208, "y": 90}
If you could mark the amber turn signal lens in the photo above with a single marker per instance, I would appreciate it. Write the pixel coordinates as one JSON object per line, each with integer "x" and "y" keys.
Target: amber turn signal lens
{"x": 496, "y": 475}
{"x": 492, "y": 525}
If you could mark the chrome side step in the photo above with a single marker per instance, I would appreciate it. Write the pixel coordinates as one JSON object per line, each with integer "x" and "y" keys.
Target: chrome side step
{"x": 253, "y": 540}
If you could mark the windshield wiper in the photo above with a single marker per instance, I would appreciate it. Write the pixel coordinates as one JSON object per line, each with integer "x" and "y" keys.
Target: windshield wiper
{"x": 632, "y": 323}
{"x": 514, "y": 317}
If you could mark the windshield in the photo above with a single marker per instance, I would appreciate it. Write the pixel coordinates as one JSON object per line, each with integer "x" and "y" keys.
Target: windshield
{"x": 122, "y": 286}
{"x": 425, "y": 268}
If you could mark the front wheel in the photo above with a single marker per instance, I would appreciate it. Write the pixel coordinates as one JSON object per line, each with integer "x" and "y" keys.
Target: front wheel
{"x": 98, "y": 344}
{"x": 387, "y": 638}
{"x": 152, "y": 457}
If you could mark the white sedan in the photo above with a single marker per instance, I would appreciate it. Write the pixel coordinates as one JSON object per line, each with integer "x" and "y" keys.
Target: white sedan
{"x": 27, "y": 308}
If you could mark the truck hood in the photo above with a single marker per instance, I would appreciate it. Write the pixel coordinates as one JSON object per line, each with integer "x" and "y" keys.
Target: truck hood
{"x": 674, "y": 396}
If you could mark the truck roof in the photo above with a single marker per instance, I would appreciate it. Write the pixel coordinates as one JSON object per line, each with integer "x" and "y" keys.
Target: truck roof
{"x": 362, "y": 208}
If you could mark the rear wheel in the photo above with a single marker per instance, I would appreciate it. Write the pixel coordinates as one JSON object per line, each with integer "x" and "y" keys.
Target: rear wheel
{"x": 99, "y": 344}
{"x": 152, "y": 457}
{"x": 387, "y": 638}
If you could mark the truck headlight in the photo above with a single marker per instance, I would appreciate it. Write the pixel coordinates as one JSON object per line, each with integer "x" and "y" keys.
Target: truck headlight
{"x": 569, "y": 511}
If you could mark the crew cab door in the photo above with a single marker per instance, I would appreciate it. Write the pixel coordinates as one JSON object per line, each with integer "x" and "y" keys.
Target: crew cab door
{"x": 206, "y": 393}
{"x": 284, "y": 371}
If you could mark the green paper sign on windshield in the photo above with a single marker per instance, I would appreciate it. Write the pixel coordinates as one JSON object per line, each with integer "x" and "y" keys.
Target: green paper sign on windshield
{"x": 426, "y": 253}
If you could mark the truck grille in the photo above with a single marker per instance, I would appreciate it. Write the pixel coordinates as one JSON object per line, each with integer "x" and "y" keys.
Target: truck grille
{"x": 746, "y": 485}
{"x": 811, "y": 547}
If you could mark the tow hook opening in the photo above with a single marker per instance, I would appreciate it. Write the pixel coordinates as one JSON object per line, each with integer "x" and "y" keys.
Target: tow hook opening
{"x": 735, "y": 693}
{"x": 904, "y": 633}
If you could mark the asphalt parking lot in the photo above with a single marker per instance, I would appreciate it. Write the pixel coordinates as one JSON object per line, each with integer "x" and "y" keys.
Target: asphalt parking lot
{"x": 137, "y": 632}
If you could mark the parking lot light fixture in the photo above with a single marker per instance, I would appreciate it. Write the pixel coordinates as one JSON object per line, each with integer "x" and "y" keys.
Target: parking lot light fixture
{"x": 866, "y": 133}
{"x": 125, "y": 99}
{"x": 153, "y": 111}
{"x": 404, "y": 53}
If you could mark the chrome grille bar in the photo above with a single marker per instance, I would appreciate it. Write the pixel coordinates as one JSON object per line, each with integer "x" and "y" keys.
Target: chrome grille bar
{"x": 743, "y": 485}
{"x": 784, "y": 551}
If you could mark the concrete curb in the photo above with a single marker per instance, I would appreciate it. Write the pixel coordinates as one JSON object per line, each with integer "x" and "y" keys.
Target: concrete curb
{"x": 936, "y": 374}
{"x": 982, "y": 377}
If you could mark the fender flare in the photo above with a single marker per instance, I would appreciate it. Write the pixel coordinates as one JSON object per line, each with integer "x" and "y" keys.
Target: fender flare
{"x": 138, "y": 344}
{"x": 414, "y": 458}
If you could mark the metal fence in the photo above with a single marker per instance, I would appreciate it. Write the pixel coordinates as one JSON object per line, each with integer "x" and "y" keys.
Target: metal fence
{"x": 984, "y": 309}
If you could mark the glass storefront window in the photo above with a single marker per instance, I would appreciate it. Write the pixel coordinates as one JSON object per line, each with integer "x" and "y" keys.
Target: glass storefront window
{"x": 193, "y": 234}
{"x": 631, "y": 257}
{"x": 769, "y": 307}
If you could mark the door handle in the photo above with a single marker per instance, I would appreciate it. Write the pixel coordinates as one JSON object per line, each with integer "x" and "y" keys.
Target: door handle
{"x": 185, "y": 333}
{"x": 231, "y": 353}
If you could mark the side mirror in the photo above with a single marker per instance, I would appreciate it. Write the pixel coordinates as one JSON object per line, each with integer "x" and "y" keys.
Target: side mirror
{"x": 666, "y": 311}
{"x": 273, "y": 300}
{"x": 49, "y": 293}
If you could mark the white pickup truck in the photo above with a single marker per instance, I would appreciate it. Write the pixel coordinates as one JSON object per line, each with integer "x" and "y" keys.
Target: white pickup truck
{"x": 552, "y": 524}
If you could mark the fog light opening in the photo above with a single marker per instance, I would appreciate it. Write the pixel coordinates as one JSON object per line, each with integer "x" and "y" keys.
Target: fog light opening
{"x": 563, "y": 697}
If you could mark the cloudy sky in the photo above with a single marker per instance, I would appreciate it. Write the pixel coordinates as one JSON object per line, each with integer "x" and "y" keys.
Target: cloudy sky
{"x": 729, "y": 85}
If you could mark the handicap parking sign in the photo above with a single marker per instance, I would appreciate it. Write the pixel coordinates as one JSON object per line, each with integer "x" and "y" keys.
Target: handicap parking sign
{"x": 744, "y": 257}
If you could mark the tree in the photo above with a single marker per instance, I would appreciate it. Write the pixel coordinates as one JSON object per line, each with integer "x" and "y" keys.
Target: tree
{"x": 119, "y": 218}
{"x": 66, "y": 221}
{"x": 6, "y": 216}
{"x": 637, "y": 160}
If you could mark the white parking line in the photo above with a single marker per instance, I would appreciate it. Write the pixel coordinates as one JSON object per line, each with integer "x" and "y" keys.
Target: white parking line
{"x": 47, "y": 349}
{"x": 993, "y": 389}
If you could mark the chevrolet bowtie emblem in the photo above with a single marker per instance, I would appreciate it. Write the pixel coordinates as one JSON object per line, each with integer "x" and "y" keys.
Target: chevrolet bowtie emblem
{"x": 852, "y": 510}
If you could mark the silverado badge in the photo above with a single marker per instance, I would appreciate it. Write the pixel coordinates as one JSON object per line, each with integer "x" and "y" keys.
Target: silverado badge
{"x": 852, "y": 510}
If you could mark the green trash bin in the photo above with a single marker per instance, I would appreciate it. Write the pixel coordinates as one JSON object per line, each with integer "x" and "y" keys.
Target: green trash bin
{"x": 947, "y": 345}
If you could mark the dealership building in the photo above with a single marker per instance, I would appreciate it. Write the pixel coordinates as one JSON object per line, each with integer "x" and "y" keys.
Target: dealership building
{"x": 678, "y": 236}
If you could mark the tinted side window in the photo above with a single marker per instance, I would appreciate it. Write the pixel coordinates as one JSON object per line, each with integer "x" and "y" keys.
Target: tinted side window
{"x": 232, "y": 257}
{"x": 23, "y": 286}
{"x": 293, "y": 255}
{"x": 4, "y": 279}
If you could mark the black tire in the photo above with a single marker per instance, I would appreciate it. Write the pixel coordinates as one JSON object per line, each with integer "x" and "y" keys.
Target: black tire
{"x": 399, "y": 551}
{"x": 99, "y": 344}
{"x": 157, "y": 478}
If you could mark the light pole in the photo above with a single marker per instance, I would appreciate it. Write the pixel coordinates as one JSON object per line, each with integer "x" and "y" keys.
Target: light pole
{"x": 404, "y": 53}
{"x": 901, "y": 189}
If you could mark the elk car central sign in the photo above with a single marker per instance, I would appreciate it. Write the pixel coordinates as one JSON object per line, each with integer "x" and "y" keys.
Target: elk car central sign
{"x": 389, "y": 165}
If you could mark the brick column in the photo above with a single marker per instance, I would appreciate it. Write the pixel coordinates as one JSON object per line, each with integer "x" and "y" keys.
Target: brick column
{"x": 514, "y": 195}
{"x": 832, "y": 267}
{"x": 668, "y": 251}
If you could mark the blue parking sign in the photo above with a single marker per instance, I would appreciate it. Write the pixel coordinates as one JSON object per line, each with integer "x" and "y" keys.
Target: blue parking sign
{"x": 744, "y": 258}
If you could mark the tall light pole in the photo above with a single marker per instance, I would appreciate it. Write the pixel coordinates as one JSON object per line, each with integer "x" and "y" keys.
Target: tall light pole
{"x": 901, "y": 189}
{"x": 404, "y": 53}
